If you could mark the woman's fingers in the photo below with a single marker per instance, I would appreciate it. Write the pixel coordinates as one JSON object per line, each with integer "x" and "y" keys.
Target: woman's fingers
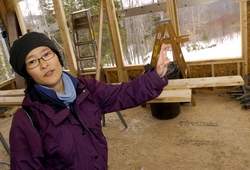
{"x": 162, "y": 63}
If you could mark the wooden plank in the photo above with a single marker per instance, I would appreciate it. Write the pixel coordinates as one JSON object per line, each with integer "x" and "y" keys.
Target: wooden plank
{"x": 11, "y": 101}
{"x": 222, "y": 81}
{"x": 8, "y": 93}
{"x": 173, "y": 96}
{"x": 180, "y": 39}
{"x": 67, "y": 44}
{"x": 167, "y": 96}
{"x": 209, "y": 62}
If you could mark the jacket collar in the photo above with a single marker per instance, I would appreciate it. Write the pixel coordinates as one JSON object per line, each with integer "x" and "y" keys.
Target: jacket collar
{"x": 55, "y": 110}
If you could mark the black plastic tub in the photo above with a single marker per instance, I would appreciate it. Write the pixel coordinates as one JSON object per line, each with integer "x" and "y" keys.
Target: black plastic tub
{"x": 165, "y": 111}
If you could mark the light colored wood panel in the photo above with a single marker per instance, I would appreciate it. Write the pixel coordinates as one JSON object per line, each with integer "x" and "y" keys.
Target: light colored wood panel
{"x": 209, "y": 62}
{"x": 205, "y": 82}
{"x": 99, "y": 50}
{"x": 17, "y": 92}
{"x": 11, "y": 101}
{"x": 173, "y": 96}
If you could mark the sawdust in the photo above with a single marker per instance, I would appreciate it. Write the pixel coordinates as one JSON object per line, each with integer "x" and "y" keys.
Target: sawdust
{"x": 213, "y": 135}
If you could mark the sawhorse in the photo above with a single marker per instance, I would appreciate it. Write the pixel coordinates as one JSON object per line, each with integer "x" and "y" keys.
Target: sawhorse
{"x": 120, "y": 117}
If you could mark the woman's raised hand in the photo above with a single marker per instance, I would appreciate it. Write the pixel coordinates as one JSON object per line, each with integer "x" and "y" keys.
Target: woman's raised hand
{"x": 163, "y": 61}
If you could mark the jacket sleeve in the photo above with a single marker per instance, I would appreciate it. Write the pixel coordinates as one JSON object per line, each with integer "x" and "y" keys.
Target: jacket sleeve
{"x": 125, "y": 95}
{"x": 25, "y": 144}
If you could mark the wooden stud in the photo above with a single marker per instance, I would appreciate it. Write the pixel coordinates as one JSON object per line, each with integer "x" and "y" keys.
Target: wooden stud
{"x": 238, "y": 68}
{"x": 212, "y": 70}
{"x": 228, "y": 61}
{"x": 67, "y": 44}
{"x": 171, "y": 11}
{"x": 19, "y": 17}
{"x": 244, "y": 33}
{"x": 99, "y": 47}
{"x": 116, "y": 39}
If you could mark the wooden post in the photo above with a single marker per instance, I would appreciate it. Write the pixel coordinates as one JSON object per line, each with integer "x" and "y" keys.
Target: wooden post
{"x": 171, "y": 11}
{"x": 116, "y": 40}
{"x": 238, "y": 68}
{"x": 244, "y": 35}
{"x": 99, "y": 52}
{"x": 212, "y": 70}
{"x": 20, "y": 17}
{"x": 13, "y": 35}
{"x": 67, "y": 44}
{"x": 3, "y": 13}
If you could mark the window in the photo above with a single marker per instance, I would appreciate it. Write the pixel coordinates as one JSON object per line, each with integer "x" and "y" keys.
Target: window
{"x": 5, "y": 68}
{"x": 137, "y": 21}
{"x": 213, "y": 28}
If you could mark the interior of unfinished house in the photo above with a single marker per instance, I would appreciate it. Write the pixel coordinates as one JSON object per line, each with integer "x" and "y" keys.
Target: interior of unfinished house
{"x": 124, "y": 84}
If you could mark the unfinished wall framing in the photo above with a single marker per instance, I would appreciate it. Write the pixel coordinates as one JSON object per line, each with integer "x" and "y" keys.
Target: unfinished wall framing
{"x": 197, "y": 69}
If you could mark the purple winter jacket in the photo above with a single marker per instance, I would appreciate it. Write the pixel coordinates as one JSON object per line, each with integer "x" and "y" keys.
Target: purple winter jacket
{"x": 72, "y": 138}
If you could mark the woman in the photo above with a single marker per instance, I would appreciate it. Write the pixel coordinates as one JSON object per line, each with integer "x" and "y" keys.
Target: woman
{"x": 59, "y": 124}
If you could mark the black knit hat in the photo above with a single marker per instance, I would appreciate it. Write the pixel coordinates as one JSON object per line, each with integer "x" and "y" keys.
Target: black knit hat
{"x": 22, "y": 46}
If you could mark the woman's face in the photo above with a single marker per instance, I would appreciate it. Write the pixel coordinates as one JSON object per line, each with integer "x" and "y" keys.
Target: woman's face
{"x": 43, "y": 65}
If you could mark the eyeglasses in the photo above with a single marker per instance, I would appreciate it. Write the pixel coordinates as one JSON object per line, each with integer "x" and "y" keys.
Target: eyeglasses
{"x": 34, "y": 62}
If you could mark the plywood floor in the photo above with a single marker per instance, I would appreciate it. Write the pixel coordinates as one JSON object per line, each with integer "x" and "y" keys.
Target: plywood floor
{"x": 213, "y": 135}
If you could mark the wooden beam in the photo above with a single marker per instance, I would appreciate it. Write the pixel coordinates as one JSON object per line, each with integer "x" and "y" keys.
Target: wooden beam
{"x": 99, "y": 47}
{"x": 157, "y": 7}
{"x": 67, "y": 44}
{"x": 15, "y": 97}
{"x": 209, "y": 62}
{"x": 180, "y": 39}
{"x": 11, "y": 101}
{"x": 19, "y": 17}
{"x": 205, "y": 82}
{"x": 9, "y": 93}
{"x": 171, "y": 11}
{"x": 173, "y": 96}
{"x": 116, "y": 39}
{"x": 244, "y": 35}
{"x": 146, "y": 9}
